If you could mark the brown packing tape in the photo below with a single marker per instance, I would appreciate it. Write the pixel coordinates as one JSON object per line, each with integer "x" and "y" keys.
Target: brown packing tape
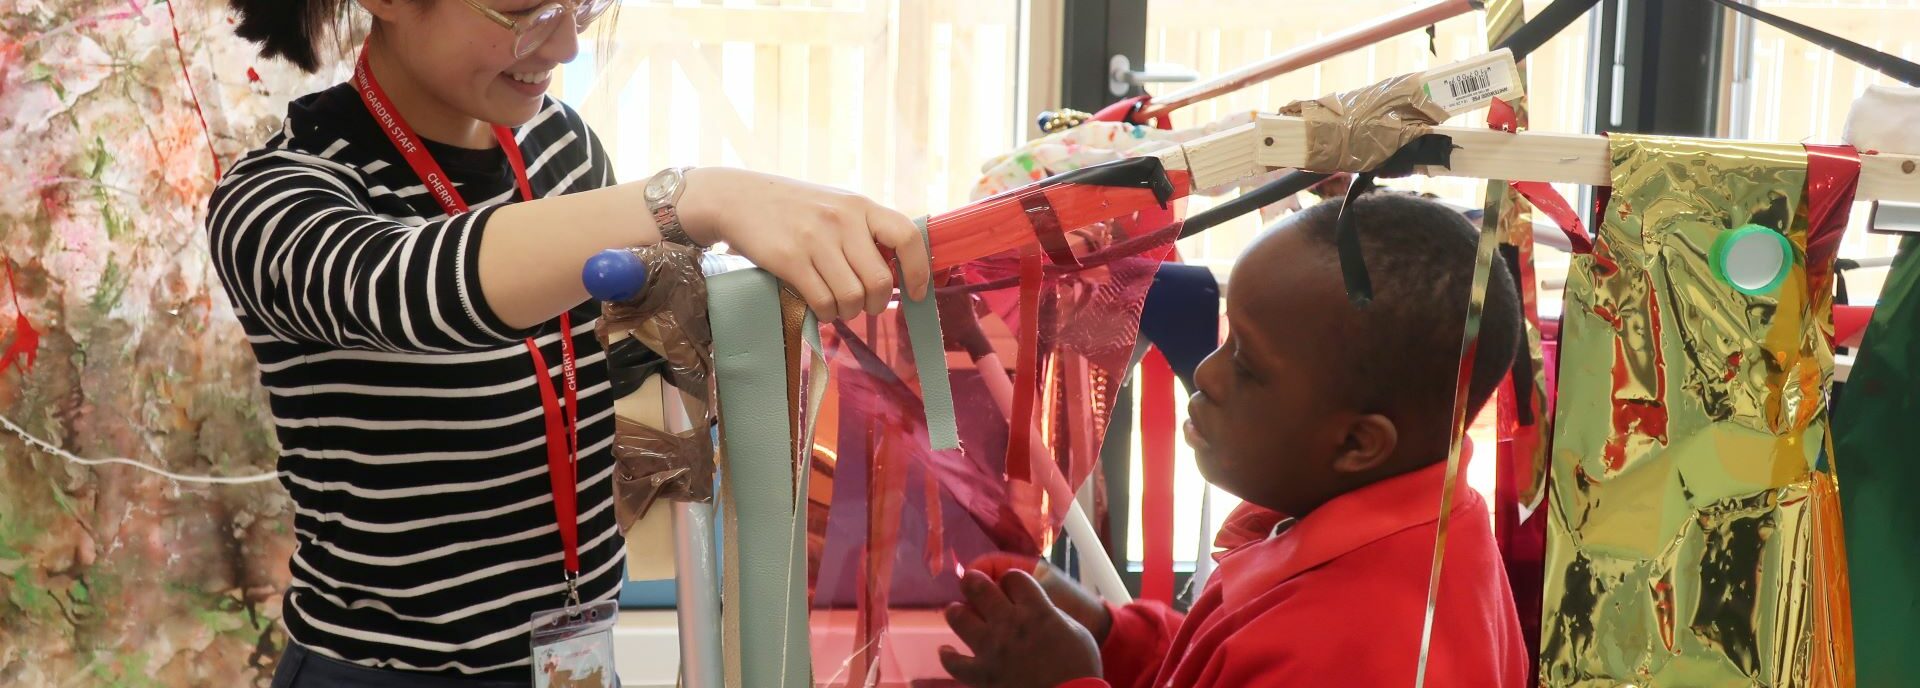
{"x": 1358, "y": 130}
{"x": 669, "y": 317}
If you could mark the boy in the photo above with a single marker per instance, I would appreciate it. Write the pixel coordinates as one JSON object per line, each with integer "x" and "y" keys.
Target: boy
{"x": 1339, "y": 417}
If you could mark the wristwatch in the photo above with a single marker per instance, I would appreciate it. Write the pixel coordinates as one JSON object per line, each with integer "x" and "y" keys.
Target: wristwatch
{"x": 663, "y": 193}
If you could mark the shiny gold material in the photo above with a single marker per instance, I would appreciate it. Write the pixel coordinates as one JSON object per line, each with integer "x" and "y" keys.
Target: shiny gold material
{"x": 1483, "y": 267}
{"x": 1063, "y": 119}
{"x": 1684, "y": 501}
{"x": 1516, "y": 221}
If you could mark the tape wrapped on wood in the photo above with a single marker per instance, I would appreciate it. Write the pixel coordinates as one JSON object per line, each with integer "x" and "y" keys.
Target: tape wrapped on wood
{"x": 669, "y": 321}
{"x": 1358, "y": 130}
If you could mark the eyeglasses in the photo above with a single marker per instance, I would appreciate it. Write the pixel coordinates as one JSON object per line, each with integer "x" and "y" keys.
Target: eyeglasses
{"x": 534, "y": 27}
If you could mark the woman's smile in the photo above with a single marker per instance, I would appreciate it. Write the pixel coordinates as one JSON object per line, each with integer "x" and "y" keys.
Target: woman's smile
{"x": 531, "y": 84}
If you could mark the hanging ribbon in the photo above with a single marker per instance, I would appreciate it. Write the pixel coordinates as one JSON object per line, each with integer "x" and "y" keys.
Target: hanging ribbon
{"x": 1469, "y": 347}
{"x": 759, "y": 485}
{"x": 930, "y": 361}
{"x": 1026, "y": 382}
{"x": 1833, "y": 173}
{"x": 1157, "y": 471}
{"x": 1501, "y": 117}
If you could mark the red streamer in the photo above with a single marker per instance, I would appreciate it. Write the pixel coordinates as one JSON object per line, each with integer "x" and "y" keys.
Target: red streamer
{"x": 1500, "y": 116}
{"x": 1833, "y": 172}
{"x": 1156, "y": 490}
{"x": 1026, "y": 377}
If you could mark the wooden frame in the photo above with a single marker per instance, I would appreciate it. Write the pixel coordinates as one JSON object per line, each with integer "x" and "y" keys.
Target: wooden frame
{"x": 1277, "y": 141}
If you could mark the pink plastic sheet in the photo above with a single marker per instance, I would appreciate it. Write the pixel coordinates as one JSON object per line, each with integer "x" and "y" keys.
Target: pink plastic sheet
{"x": 1038, "y": 339}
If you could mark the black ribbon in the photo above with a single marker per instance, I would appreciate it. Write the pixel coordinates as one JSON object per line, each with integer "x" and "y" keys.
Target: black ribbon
{"x": 1551, "y": 20}
{"x": 1523, "y": 361}
{"x": 630, "y": 363}
{"x": 1429, "y": 149}
{"x": 1353, "y": 265}
{"x": 1145, "y": 172}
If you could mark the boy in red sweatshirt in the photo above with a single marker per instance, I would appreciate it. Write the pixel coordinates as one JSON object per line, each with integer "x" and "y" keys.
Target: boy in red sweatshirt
{"x": 1340, "y": 417}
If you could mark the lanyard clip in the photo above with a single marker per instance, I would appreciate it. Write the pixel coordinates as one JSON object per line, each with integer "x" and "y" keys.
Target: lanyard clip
{"x": 573, "y": 594}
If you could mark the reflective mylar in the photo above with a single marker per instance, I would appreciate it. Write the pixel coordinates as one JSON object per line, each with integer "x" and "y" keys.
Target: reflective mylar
{"x": 1692, "y": 527}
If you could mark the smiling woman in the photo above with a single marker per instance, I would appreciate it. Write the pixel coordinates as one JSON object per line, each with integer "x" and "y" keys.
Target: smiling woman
{"x": 404, "y": 257}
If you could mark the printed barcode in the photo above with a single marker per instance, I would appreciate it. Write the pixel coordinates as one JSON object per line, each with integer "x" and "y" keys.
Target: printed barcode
{"x": 1470, "y": 82}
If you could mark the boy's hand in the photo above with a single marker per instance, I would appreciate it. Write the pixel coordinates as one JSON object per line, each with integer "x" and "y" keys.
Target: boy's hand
{"x": 1065, "y": 593}
{"x": 1018, "y": 638}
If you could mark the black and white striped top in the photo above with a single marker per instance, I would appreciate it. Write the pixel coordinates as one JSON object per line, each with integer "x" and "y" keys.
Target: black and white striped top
{"x": 411, "y": 430}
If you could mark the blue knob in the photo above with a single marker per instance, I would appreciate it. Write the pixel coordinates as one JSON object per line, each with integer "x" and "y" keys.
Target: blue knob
{"x": 614, "y": 275}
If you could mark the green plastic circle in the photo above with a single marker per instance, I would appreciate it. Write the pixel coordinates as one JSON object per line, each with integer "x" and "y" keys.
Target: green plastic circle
{"x": 1754, "y": 260}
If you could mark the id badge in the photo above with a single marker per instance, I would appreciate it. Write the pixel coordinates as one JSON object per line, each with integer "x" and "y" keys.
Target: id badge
{"x": 573, "y": 647}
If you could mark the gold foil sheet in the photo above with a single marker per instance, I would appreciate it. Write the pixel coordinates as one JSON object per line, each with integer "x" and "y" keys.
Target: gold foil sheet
{"x": 1685, "y": 508}
{"x": 1515, "y": 215}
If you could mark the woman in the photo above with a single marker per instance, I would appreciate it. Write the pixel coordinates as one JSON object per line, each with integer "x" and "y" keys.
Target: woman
{"x": 408, "y": 275}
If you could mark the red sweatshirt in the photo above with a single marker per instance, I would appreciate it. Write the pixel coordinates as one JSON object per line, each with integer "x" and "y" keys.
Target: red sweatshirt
{"x": 1335, "y": 599}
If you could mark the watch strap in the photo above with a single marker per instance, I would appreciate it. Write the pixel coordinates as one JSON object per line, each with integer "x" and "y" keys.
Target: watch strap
{"x": 666, "y": 213}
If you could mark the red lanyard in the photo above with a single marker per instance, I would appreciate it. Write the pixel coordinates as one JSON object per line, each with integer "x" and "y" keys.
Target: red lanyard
{"x": 563, "y": 451}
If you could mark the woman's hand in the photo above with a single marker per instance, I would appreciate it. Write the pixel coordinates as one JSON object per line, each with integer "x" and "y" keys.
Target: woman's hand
{"x": 822, "y": 241}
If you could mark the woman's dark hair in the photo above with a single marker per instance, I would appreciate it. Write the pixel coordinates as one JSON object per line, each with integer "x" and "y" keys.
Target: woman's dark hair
{"x": 291, "y": 30}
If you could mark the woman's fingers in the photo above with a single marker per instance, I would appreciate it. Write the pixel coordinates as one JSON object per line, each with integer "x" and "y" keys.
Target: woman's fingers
{"x": 895, "y": 231}
{"x": 864, "y": 258}
{"x": 848, "y": 294}
{"x": 806, "y": 282}
{"x": 825, "y": 243}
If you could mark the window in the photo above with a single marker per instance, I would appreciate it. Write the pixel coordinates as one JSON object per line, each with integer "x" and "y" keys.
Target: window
{"x": 898, "y": 99}
{"x": 1787, "y": 89}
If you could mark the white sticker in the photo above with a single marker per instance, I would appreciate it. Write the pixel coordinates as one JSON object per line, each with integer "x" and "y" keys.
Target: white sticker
{"x": 1472, "y": 88}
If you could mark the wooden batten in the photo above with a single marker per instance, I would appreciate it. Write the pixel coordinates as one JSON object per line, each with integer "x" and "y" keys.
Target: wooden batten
{"x": 1277, "y": 141}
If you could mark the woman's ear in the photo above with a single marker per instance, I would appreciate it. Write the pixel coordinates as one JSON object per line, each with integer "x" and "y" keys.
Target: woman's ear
{"x": 1369, "y": 443}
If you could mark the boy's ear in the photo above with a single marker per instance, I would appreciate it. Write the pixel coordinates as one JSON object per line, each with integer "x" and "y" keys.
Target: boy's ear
{"x": 1369, "y": 443}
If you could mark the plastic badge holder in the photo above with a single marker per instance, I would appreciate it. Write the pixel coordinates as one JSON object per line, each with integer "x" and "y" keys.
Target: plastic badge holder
{"x": 573, "y": 647}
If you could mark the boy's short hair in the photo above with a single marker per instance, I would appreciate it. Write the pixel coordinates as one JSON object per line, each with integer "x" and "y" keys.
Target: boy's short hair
{"x": 1420, "y": 257}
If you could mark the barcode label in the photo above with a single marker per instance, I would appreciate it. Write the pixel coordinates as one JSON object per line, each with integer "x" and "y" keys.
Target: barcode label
{"x": 1470, "y": 83}
{"x": 1467, "y": 90}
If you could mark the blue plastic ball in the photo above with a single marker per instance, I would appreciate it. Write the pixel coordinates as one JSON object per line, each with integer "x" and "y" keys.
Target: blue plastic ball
{"x": 614, "y": 275}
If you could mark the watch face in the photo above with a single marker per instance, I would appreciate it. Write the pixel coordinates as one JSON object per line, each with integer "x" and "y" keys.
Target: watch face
{"x": 662, "y": 186}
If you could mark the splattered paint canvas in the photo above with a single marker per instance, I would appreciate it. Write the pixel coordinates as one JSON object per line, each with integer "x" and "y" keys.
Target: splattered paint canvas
{"x": 114, "y": 117}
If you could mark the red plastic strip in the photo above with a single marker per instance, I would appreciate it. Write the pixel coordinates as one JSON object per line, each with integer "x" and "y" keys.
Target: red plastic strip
{"x": 982, "y": 228}
{"x": 1026, "y": 381}
{"x": 1046, "y": 227}
{"x": 1833, "y": 172}
{"x": 1500, "y": 117}
{"x": 1156, "y": 490}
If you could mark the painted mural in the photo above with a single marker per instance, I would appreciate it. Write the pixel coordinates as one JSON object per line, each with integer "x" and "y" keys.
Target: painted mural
{"x": 143, "y": 539}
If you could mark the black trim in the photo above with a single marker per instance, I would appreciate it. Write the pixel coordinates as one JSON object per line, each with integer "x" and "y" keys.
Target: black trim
{"x": 1660, "y": 59}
